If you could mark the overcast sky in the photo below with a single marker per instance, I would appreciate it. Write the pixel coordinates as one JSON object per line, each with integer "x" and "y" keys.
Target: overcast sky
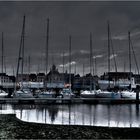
{"x": 77, "y": 19}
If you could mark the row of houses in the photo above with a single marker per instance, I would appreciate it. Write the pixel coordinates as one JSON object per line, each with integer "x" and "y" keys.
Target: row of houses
{"x": 119, "y": 79}
{"x": 56, "y": 79}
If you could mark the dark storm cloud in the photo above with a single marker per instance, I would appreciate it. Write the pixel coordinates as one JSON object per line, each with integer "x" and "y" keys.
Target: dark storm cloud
{"x": 77, "y": 19}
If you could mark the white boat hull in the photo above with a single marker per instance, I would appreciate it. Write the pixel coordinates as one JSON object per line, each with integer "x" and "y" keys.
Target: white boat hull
{"x": 108, "y": 94}
{"x": 129, "y": 94}
{"x": 46, "y": 95}
{"x": 67, "y": 94}
{"x": 88, "y": 94}
{"x": 22, "y": 94}
{"x": 3, "y": 94}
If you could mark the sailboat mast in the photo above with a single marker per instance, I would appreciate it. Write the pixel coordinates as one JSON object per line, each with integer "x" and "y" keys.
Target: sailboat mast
{"x": 22, "y": 64}
{"x": 70, "y": 60}
{"x": 75, "y": 69}
{"x": 83, "y": 74}
{"x": 134, "y": 57}
{"x": 2, "y": 55}
{"x": 90, "y": 53}
{"x": 115, "y": 63}
{"x": 63, "y": 62}
{"x": 129, "y": 43}
{"x": 83, "y": 69}
{"x": 47, "y": 45}
{"x": 2, "y": 61}
{"x": 95, "y": 66}
{"x": 13, "y": 70}
{"x": 108, "y": 28}
{"x": 124, "y": 66}
{"x": 4, "y": 66}
{"x": 63, "y": 67}
{"x": 29, "y": 64}
{"x": 21, "y": 56}
{"x": 90, "y": 61}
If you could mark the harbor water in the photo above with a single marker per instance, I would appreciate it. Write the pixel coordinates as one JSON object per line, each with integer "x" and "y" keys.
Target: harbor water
{"x": 124, "y": 115}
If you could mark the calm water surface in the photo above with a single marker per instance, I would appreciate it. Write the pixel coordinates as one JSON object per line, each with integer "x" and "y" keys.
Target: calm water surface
{"x": 77, "y": 114}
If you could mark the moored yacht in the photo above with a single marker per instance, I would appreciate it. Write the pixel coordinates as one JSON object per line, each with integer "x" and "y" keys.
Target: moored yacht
{"x": 108, "y": 94}
{"x": 129, "y": 94}
{"x": 45, "y": 94}
{"x": 88, "y": 94}
{"x": 67, "y": 93}
{"x": 3, "y": 94}
{"x": 23, "y": 93}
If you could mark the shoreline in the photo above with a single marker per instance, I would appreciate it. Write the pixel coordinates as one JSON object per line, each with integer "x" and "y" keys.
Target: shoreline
{"x": 13, "y": 128}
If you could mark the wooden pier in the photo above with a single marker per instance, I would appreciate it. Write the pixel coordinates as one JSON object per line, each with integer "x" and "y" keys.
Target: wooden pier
{"x": 68, "y": 101}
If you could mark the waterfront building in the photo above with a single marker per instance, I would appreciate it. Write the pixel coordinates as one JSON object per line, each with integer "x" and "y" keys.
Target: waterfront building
{"x": 36, "y": 81}
{"x": 84, "y": 82}
{"x": 32, "y": 77}
{"x": 137, "y": 78}
{"x": 55, "y": 79}
{"x": 23, "y": 77}
{"x": 119, "y": 79}
{"x": 40, "y": 77}
{"x": 32, "y": 80}
{"x": 114, "y": 76}
{"x": 6, "y": 81}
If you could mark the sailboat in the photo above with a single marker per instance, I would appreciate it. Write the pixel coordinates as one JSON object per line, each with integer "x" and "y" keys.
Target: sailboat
{"x": 130, "y": 93}
{"x": 89, "y": 93}
{"x": 21, "y": 92}
{"x": 45, "y": 93}
{"x": 107, "y": 93}
{"x": 3, "y": 94}
{"x": 67, "y": 92}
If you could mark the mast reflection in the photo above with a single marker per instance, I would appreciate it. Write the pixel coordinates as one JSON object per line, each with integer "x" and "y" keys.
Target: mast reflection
{"x": 78, "y": 114}
{"x": 53, "y": 111}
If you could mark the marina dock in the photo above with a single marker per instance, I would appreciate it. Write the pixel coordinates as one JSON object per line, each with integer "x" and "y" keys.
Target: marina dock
{"x": 68, "y": 101}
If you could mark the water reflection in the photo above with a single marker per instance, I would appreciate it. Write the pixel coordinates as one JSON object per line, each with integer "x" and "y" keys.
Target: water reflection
{"x": 77, "y": 114}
